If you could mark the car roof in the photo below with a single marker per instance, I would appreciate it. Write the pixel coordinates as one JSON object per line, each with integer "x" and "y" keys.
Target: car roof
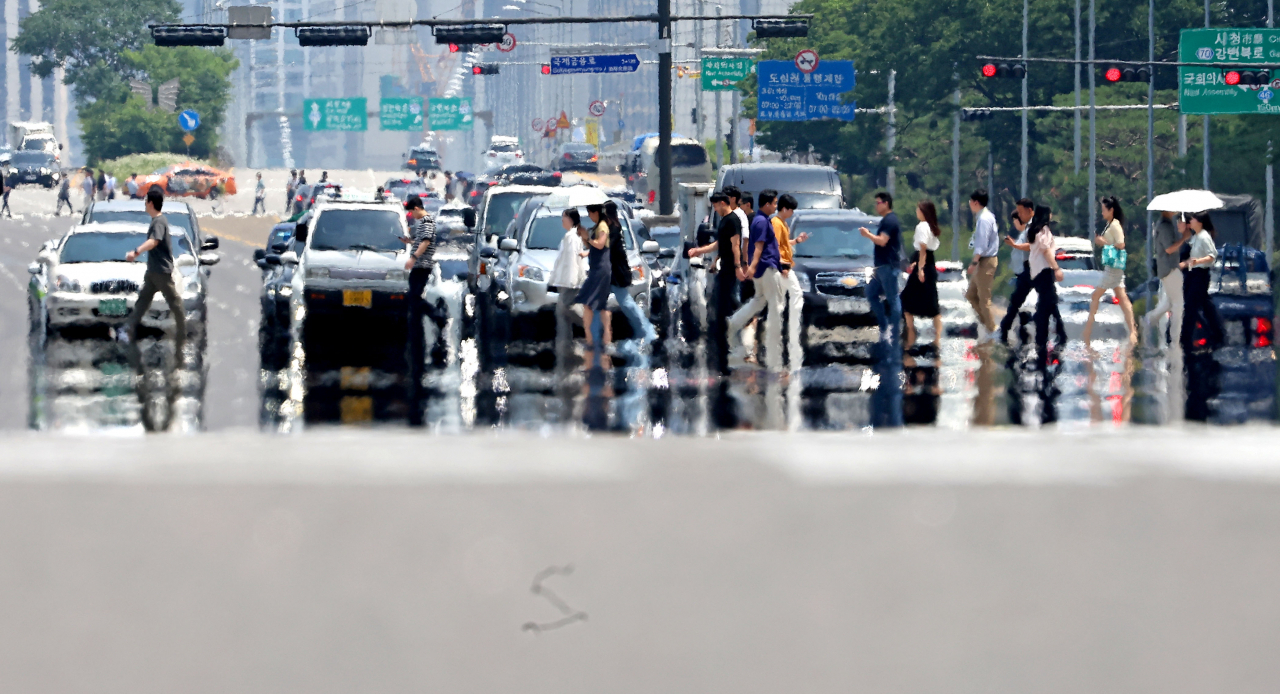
{"x": 395, "y": 206}
{"x": 1071, "y": 243}
{"x": 126, "y": 205}
{"x": 111, "y": 227}
{"x": 847, "y": 214}
{"x": 520, "y": 188}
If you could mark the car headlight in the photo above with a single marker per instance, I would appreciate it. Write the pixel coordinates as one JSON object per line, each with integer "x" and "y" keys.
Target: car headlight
{"x": 397, "y": 275}
{"x": 532, "y": 273}
{"x": 44, "y": 171}
{"x": 13, "y": 171}
{"x": 805, "y": 284}
{"x": 66, "y": 284}
{"x": 317, "y": 273}
{"x": 285, "y": 291}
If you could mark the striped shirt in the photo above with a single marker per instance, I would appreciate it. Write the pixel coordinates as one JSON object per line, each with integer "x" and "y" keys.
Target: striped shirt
{"x": 424, "y": 230}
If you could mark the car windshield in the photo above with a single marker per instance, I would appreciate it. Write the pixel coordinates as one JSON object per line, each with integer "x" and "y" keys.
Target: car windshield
{"x": 450, "y": 212}
{"x": 423, "y": 154}
{"x": 683, "y": 156}
{"x": 545, "y": 233}
{"x": 36, "y": 143}
{"x": 504, "y": 148}
{"x": 32, "y": 158}
{"x": 103, "y": 246}
{"x": 831, "y": 237}
{"x": 367, "y": 230}
{"x": 667, "y": 237}
{"x": 179, "y": 219}
{"x": 502, "y": 209}
{"x": 817, "y": 201}
{"x": 579, "y": 147}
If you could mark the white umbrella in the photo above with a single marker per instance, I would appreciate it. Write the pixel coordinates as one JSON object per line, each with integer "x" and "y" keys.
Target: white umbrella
{"x": 576, "y": 196}
{"x": 1185, "y": 201}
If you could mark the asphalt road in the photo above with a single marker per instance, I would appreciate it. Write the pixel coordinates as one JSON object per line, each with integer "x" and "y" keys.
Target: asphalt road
{"x": 365, "y": 561}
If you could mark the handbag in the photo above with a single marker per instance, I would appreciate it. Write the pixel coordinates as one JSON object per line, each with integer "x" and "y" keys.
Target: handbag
{"x": 1113, "y": 257}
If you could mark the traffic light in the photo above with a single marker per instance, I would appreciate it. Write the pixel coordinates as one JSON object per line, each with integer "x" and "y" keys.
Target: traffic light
{"x": 333, "y": 36}
{"x": 1004, "y": 70}
{"x": 976, "y": 114}
{"x": 1128, "y": 73}
{"x": 470, "y": 33}
{"x": 693, "y": 115}
{"x": 780, "y": 28}
{"x": 484, "y": 69}
{"x": 546, "y": 69}
{"x": 1248, "y": 78}
{"x": 188, "y": 36}
{"x": 454, "y": 48}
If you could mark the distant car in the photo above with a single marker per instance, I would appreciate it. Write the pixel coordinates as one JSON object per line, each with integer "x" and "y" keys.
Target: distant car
{"x": 83, "y": 279}
{"x": 689, "y": 164}
{"x": 503, "y": 151}
{"x": 450, "y": 219}
{"x": 577, "y": 156}
{"x": 422, "y": 158}
{"x": 528, "y": 175}
{"x": 305, "y": 197}
{"x": 403, "y": 188}
{"x": 190, "y": 178}
{"x": 37, "y": 167}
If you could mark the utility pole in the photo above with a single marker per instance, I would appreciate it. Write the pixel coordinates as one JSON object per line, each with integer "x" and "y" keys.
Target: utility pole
{"x": 1075, "y": 157}
{"x": 1151, "y": 121}
{"x": 1022, "y": 191}
{"x": 1206, "y": 117}
{"x": 719, "y": 116}
{"x": 1093, "y": 128}
{"x": 955, "y": 175}
{"x": 702, "y": 115}
{"x": 734, "y": 115}
{"x": 666, "y": 199}
{"x": 891, "y": 138}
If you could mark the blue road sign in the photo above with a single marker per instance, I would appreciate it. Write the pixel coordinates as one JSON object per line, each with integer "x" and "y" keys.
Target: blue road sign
{"x": 188, "y": 120}
{"x": 786, "y": 94}
{"x": 577, "y": 64}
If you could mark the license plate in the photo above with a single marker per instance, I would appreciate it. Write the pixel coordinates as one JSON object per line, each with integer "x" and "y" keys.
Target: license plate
{"x": 842, "y": 305}
{"x": 357, "y": 297}
{"x": 29, "y": 177}
{"x": 112, "y": 307}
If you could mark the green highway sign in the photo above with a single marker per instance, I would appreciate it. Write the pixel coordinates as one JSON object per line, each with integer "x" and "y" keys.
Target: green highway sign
{"x": 449, "y": 114}
{"x": 1204, "y": 90}
{"x": 400, "y": 113}
{"x": 720, "y": 74}
{"x": 334, "y": 114}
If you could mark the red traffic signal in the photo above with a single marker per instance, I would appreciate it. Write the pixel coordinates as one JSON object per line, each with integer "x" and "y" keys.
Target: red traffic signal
{"x": 1113, "y": 74}
{"x": 546, "y": 69}
{"x": 1005, "y": 70}
{"x": 989, "y": 70}
{"x": 453, "y": 48}
{"x": 1232, "y": 77}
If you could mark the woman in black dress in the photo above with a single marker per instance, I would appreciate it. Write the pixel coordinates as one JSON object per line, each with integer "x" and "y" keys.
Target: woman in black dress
{"x": 594, "y": 294}
{"x": 920, "y": 297}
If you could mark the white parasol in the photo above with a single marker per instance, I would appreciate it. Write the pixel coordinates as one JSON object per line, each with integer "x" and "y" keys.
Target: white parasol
{"x": 576, "y": 196}
{"x": 1185, "y": 201}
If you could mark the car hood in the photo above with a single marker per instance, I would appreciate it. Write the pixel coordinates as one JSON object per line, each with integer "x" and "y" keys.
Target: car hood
{"x": 545, "y": 259}
{"x": 371, "y": 260}
{"x": 816, "y": 265}
{"x": 94, "y": 272}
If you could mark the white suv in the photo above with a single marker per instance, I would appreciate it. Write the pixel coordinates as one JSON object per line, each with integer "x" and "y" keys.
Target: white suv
{"x": 353, "y": 257}
{"x": 503, "y": 151}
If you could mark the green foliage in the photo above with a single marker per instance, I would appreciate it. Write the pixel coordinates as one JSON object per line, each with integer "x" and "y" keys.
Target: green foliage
{"x": 89, "y": 39}
{"x": 143, "y": 164}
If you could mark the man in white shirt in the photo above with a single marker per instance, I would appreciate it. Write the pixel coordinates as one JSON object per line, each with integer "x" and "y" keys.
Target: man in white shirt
{"x": 982, "y": 271}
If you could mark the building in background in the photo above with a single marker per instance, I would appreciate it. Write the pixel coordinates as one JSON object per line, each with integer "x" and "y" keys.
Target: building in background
{"x": 28, "y": 98}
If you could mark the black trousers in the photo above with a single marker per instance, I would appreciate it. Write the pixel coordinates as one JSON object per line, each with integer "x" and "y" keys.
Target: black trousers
{"x": 725, "y": 299}
{"x": 418, "y": 279}
{"x": 1199, "y": 308}
{"x": 1046, "y": 308}
{"x": 1023, "y": 284}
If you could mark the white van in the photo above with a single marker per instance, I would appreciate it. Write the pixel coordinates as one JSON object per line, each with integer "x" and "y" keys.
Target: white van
{"x": 689, "y": 164}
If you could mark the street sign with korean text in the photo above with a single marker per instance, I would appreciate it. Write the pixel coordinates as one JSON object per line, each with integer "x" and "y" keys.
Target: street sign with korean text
{"x": 449, "y": 114}
{"x": 396, "y": 113}
{"x": 578, "y": 64}
{"x": 720, "y": 74}
{"x": 787, "y": 94}
{"x": 1204, "y": 90}
{"x": 335, "y": 114}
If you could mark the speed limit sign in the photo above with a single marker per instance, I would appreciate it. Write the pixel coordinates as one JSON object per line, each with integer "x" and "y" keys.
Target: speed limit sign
{"x": 538, "y": 124}
{"x": 508, "y": 43}
{"x": 596, "y": 108}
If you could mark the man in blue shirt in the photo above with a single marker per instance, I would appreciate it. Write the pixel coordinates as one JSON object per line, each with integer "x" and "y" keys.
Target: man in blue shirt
{"x": 762, "y": 269}
{"x": 882, "y": 290}
{"x": 982, "y": 271}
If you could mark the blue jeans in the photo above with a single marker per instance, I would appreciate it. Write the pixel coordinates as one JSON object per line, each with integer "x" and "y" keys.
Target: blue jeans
{"x": 640, "y": 324}
{"x": 882, "y": 293}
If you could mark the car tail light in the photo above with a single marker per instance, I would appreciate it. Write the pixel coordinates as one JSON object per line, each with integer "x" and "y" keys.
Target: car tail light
{"x": 1060, "y": 256}
{"x": 483, "y": 268}
{"x": 1261, "y": 332}
{"x": 492, "y": 155}
{"x": 594, "y": 157}
{"x": 555, "y": 174}
{"x": 519, "y": 155}
{"x": 653, "y": 194}
{"x": 1114, "y": 299}
{"x": 568, "y": 156}
{"x": 299, "y": 198}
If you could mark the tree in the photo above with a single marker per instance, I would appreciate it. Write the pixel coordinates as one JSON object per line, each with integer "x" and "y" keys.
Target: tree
{"x": 89, "y": 39}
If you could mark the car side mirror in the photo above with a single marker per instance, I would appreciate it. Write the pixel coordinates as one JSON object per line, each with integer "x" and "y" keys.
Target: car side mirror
{"x": 210, "y": 243}
{"x": 509, "y": 245}
{"x": 271, "y": 259}
{"x": 469, "y": 218}
{"x": 280, "y": 246}
{"x": 667, "y": 253}
{"x": 650, "y": 247}
{"x": 34, "y": 268}
{"x": 185, "y": 261}
{"x": 488, "y": 252}
{"x": 259, "y": 254}
{"x": 289, "y": 258}
{"x": 209, "y": 259}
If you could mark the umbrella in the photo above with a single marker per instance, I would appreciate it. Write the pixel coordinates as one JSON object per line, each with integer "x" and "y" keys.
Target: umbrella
{"x": 576, "y": 196}
{"x": 1185, "y": 201}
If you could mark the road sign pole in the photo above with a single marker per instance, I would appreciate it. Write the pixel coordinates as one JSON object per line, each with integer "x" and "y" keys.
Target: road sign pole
{"x": 719, "y": 115}
{"x": 1023, "y": 188}
{"x": 1076, "y": 117}
{"x": 1151, "y": 124}
{"x": 1206, "y": 116}
{"x": 702, "y": 115}
{"x": 666, "y": 201}
{"x": 891, "y": 138}
{"x": 955, "y": 177}
{"x": 1092, "y": 202}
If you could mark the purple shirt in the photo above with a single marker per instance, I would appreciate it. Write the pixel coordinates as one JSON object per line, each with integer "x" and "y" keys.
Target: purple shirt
{"x": 762, "y": 230}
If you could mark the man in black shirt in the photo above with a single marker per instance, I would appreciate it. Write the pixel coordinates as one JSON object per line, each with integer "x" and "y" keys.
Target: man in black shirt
{"x": 882, "y": 290}
{"x": 728, "y": 248}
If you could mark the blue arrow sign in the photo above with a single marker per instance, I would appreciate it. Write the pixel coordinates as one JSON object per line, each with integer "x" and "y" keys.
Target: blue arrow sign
{"x": 188, "y": 120}
{"x": 577, "y": 64}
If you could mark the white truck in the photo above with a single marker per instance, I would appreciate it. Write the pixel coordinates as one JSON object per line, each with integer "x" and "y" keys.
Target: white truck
{"x": 34, "y": 137}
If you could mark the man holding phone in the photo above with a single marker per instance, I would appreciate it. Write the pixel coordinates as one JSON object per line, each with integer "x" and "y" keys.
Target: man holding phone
{"x": 1018, "y": 257}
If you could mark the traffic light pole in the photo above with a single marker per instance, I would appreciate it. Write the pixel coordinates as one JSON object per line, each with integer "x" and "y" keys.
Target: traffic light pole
{"x": 666, "y": 201}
